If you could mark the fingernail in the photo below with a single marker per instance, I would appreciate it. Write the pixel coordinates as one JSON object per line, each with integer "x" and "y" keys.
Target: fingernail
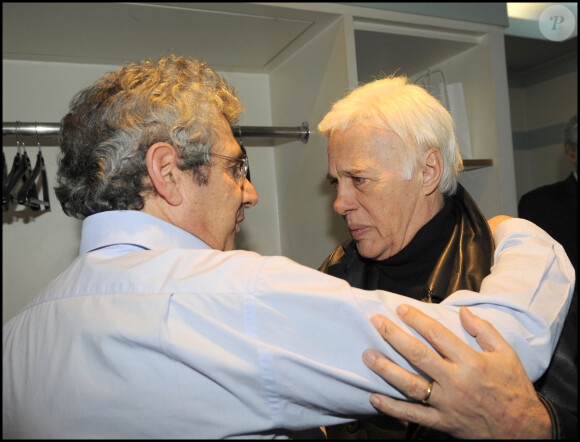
{"x": 402, "y": 309}
{"x": 377, "y": 321}
{"x": 375, "y": 401}
{"x": 369, "y": 357}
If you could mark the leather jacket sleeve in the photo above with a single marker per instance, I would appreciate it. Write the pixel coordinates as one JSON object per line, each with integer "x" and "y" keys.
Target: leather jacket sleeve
{"x": 558, "y": 387}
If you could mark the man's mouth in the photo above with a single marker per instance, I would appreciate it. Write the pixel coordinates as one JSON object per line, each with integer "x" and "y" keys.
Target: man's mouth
{"x": 357, "y": 231}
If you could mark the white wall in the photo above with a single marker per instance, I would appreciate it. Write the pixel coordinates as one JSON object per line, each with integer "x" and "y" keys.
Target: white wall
{"x": 305, "y": 86}
{"x": 261, "y": 228}
{"x": 37, "y": 246}
{"x": 493, "y": 193}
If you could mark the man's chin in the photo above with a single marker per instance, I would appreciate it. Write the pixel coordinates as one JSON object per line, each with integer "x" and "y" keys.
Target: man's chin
{"x": 366, "y": 250}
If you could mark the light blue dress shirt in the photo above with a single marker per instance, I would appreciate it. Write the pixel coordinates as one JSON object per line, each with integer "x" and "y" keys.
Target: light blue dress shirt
{"x": 152, "y": 334}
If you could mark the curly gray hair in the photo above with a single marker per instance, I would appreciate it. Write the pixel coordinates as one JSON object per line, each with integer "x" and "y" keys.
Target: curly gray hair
{"x": 111, "y": 124}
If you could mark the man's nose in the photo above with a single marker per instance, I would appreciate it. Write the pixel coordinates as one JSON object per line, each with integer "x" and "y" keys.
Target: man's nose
{"x": 344, "y": 201}
{"x": 249, "y": 194}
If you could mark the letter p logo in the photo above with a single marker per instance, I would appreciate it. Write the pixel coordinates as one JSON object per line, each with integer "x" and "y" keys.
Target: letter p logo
{"x": 558, "y": 19}
{"x": 557, "y": 23}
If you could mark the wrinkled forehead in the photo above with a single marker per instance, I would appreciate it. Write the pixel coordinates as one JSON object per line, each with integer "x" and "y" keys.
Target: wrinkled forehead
{"x": 359, "y": 144}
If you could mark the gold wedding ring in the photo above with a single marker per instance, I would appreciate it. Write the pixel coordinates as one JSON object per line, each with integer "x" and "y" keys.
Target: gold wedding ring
{"x": 428, "y": 393}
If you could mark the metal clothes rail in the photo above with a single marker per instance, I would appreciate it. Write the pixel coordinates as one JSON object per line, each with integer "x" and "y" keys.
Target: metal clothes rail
{"x": 301, "y": 132}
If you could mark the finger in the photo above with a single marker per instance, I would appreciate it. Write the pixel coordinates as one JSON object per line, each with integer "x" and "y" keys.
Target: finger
{"x": 413, "y": 350}
{"x": 488, "y": 338}
{"x": 496, "y": 221}
{"x": 419, "y": 414}
{"x": 443, "y": 340}
{"x": 410, "y": 384}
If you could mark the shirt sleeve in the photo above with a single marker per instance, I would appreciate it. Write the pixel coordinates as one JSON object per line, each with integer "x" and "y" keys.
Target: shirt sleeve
{"x": 313, "y": 328}
{"x": 528, "y": 293}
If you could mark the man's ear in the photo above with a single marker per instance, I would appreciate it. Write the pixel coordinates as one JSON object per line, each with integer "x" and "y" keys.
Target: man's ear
{"x": 161, "y": 160}
{"x": 432, "y": 170}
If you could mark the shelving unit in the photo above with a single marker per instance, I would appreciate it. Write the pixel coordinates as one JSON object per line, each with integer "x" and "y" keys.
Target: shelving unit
{"x": 476, "y": 164}
{"x": 387, "y": 48}
{"x": 470, "y": 55}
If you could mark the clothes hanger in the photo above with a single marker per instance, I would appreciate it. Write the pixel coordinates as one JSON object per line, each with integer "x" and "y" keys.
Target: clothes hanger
{"x": 28, "y": 193}
{"x": 16, "y": 172}
{"x": 23, "y": 173}
{"x": 4, "y": 182}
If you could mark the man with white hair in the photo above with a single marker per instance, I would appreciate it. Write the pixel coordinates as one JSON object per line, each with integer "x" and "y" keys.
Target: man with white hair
{"x": 394, "y": 161}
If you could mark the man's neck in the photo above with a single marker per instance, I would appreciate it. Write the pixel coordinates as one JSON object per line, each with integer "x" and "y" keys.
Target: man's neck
{"x": 430, "y": 206}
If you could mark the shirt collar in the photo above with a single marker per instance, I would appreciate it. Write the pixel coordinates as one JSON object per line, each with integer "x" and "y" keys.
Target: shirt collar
{"x": 134, "y": 227}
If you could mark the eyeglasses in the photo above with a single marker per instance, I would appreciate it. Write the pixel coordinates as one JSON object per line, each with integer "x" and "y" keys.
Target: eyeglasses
{"x": 241, "y": 171}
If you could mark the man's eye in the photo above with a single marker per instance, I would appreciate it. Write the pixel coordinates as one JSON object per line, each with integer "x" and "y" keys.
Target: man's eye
{"x": 359, "y": 180}
{"x": 333, "y": 182}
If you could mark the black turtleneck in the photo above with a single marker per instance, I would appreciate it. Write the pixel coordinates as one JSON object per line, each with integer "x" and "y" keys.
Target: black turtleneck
{"x": 407, "y": 272}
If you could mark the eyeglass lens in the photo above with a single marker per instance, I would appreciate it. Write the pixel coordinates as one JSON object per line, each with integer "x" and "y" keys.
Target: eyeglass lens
{"x": 247, "y": 162}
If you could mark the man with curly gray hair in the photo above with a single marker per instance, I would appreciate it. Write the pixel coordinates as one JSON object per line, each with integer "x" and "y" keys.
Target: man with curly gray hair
{"x": 119, "y": 126}
{"x": 161, "y": 329}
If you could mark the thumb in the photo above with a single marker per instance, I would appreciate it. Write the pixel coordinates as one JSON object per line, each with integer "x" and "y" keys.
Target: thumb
{"x": 496, "y": 221}
{"x": 488, "y": 338}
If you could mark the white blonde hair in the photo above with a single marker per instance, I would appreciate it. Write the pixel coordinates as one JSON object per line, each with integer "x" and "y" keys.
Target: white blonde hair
{"x": 394, "y": 105}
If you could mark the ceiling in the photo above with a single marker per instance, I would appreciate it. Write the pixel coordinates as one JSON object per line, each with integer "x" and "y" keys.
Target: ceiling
{"x": 240, "y": 36}
{"x": 375, "y": 55}
{"x": 527, "y": 47}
